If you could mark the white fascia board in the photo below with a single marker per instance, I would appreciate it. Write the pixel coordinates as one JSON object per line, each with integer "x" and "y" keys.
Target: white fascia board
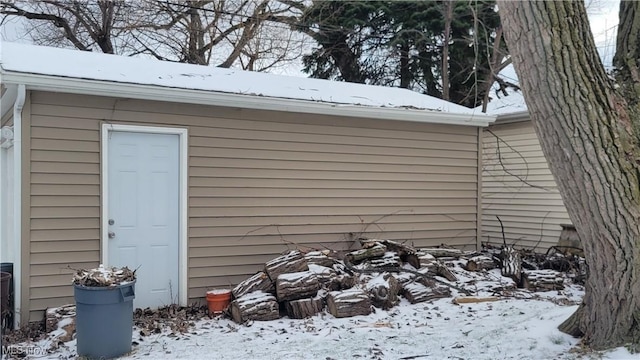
{"x": 514, "y": 117}
{"x": 203, "y": 97}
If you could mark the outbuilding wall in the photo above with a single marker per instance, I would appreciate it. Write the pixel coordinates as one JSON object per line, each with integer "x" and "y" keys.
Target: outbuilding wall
{"x": 518, "y": 187}
{"x": 259, "y": 182}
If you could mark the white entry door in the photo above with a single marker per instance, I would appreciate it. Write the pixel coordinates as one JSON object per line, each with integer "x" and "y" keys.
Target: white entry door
{"x": 143, "y": 211}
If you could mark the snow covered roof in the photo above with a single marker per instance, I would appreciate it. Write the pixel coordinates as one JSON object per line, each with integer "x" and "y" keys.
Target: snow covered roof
{"x": 511, "y": 107}
{"x": 54, "y": 69}
{"x": 511, "y": 104}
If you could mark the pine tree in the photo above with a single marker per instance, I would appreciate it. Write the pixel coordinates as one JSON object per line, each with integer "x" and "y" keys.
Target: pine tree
{"x": 441, "y": 48}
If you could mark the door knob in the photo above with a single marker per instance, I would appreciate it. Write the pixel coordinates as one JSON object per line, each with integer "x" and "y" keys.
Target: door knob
{"x": 111, "y": 234}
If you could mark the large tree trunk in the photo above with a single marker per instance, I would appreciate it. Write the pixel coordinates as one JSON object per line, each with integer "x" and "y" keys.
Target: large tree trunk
{"x": 585, "y": 127}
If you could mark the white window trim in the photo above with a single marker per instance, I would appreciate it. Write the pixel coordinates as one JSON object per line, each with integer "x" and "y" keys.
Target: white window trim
{"x": 183, "y": 181}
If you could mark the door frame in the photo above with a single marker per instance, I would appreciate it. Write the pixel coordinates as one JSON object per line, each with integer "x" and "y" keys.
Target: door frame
{"x": 182, "y": 185}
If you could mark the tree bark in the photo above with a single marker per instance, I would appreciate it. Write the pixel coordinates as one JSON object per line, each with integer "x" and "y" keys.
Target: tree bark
{"x": 304, "y": 308}
{"x": 299, "y": 285}
{"x": 511, "y": 263}
{"x": 571, "y": 326}
{"x": 448, "y": 18}
{"x": 405, "y": 72}
{"x": 389, "y": 260}
{"x": 376, "y": 251}
{"x": 383, "y": 291}
{"x": 586, "y": 129}
{"x": 258, "y": 282}
{"x": 319, "y": 258}
{"x": 348, "y": 303}
{"x": 290, "y": 262}
{"x": 255, "y": 306}
{"x": 443, "y": 270}
{"x": 408, "y": 254}
{"x": 542, "y": 280}
{"x": 417, "y": 293}
{"x": 480, "y": 263}
{"x": 341, "y": 282}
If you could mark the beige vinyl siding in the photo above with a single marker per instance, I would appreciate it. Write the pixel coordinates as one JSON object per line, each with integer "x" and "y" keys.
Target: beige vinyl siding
{"x": 259, "y": 183}
{"x": 517, "y": 186}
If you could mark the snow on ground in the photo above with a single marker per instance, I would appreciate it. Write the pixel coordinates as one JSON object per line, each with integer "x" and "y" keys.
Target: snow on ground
{"x": 438, "y": 330}
{"x": 519, "y": 327}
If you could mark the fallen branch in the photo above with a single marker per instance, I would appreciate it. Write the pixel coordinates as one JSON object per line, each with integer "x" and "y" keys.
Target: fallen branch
{"x": 413, "y": 357}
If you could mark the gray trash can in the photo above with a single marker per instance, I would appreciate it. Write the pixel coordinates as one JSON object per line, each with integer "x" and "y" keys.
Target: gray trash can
{"x": 8, "y": 312}
{"x": 5, "y": 302}
{"x": 104, "y": 320}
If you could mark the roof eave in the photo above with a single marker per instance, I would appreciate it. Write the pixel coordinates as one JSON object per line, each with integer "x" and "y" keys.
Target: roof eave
{"x": 203, "y": 97}
{"x": 513, "y": 117}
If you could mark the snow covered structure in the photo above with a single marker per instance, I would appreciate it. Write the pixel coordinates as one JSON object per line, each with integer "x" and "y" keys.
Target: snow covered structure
{"x": 517, "y": 184}
{"x": 197, "y": 175}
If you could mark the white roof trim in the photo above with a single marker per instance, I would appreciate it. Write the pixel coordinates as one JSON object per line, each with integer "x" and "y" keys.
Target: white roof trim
{"x": 203, "y": 97}
{"x": 508, "y": 118}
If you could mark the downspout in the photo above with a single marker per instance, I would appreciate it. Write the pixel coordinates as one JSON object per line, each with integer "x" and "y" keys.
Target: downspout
{"x": 17, "y": 200}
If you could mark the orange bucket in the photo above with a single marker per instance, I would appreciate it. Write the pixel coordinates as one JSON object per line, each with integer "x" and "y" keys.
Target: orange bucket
{"x": 218, "y": 300}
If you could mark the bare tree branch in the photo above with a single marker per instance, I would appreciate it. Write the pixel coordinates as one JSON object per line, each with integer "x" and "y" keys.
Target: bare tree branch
{"x": 8, "y": 8}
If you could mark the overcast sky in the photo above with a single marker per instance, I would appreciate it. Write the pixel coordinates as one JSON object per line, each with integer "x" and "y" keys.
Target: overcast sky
{"x": 603, "y": 17}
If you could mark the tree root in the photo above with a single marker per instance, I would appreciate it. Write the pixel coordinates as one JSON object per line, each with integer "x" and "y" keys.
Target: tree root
{"x": 571, "y": 326}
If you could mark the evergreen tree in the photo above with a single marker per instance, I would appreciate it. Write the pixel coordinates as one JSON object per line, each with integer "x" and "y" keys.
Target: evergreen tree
{"x": 441, "y": 48}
